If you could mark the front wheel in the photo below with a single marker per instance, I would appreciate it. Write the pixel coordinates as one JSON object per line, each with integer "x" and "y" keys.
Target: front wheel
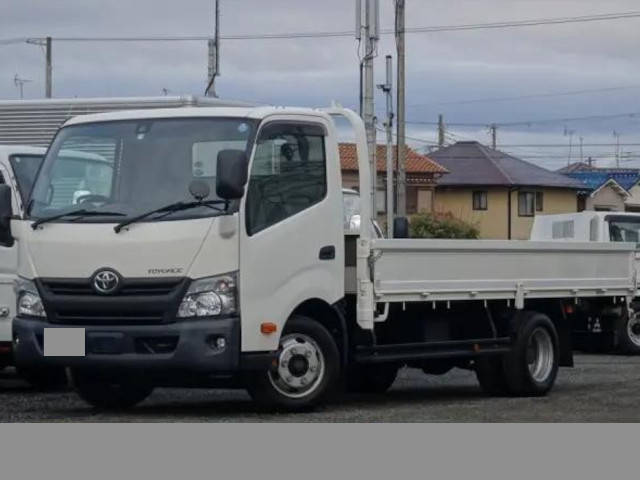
{"x": 110, "y": 393}
{"x": 628, "y": 334}
{"x": 307, "y": 370}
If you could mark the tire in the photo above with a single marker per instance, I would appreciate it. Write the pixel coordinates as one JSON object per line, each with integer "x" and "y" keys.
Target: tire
{"x": 308, "y": 368}
{"x": 45, "y": 380}
{"x": 531, "y": 366}
{"x": 375, "y": 378}
{"x": 110, "y": 393}
{"x": 628, "y": 334}
{"x": 491, "y": 376}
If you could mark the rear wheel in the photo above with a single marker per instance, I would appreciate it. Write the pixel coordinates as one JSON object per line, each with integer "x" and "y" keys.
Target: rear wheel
{"x": 307, "y": 370}
{"x": 373, "y": 378}
{"x": 628, "y": 334}
{"x": 110, "y": 393}
{"x": 531, "y": 366}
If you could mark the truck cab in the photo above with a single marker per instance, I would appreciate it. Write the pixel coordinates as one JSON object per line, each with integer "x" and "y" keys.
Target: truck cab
{"x": 18, "y": 168}
{"x": 158, "y": 292}
{"x": 588, "y": 226}
{"x": 616, "y": 330}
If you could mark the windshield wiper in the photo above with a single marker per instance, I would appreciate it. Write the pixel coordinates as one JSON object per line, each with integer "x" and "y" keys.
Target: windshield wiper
{"x": 173, "y": 207}
{"x": 83, "y": 212}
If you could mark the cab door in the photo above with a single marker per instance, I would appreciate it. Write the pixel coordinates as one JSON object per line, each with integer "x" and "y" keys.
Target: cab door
{"x": 291, "y": 241}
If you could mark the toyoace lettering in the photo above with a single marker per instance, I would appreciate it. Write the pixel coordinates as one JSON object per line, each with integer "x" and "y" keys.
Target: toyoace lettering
{"x": 226, "y": 231}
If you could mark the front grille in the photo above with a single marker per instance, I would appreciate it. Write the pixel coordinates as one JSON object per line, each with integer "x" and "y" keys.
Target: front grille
{"x": 138, "y": 301}
{"x": 145, "y": 286}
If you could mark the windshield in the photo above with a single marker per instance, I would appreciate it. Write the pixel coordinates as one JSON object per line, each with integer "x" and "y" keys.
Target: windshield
{"x": 25, "y": 168}
{"x": 133, "y": 166}
{"x": 624, "y": 229}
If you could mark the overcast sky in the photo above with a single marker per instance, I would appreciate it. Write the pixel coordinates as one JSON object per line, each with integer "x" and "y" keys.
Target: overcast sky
{"x": 442, "y": 68}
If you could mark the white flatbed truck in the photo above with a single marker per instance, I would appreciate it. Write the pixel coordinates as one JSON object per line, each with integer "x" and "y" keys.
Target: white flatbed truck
{"x": 214, "y": 254}
{"x": 615, "y": 328}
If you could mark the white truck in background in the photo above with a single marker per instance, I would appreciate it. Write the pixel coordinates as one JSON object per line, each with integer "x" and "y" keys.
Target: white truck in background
{"x": 615, "y": 328}
{"x": 214, "y": 254}
{"x": 18, "y": 167}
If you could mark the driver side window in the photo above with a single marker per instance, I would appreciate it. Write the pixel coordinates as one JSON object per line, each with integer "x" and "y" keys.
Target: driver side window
{"x": 85, "y": 168}
{"x": 288, "y": 174}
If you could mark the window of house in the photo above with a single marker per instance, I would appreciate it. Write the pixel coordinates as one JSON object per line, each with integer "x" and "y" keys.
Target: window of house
{"x": 288, "y": 174}
{"x": 480, "y": 200}
{"x": 526, "y": 204}
{"x": 539, "y": 201}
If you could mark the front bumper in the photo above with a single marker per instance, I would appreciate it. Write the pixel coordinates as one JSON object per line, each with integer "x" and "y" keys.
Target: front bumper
{"x": 181, "y": 347}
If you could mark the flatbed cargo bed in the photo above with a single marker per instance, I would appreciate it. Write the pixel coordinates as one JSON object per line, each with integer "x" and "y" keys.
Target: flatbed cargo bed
{"x": 447, "y": 270}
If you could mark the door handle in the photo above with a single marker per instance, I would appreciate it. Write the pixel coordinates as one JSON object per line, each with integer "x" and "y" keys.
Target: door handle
{"x": 327, "y": 253}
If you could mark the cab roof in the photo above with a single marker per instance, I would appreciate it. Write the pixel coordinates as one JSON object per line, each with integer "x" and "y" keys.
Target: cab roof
{"x": 191, "y": 112}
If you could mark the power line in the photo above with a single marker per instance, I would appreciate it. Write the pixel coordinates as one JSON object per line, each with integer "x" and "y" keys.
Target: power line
{"x": 531, "y": 122}
{"x": 348, "y": 33}
{"x": 564, "y": 145}
{"x": 530, "y": 96}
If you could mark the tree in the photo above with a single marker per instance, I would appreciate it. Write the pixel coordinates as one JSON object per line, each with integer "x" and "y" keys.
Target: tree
{"x": 441, "y": 225}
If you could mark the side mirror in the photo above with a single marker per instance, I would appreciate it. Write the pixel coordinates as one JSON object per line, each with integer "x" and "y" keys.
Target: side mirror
{"x": 400, "y": 227}
{"x": 231, "y": 174}
{"x": 6, "y": 212}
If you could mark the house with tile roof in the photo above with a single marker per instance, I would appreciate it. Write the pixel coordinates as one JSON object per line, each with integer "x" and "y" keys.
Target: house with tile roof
{"x": 422, "y": 174}
{"x": 498, "y": 192}
{"x": 608, "y": 189}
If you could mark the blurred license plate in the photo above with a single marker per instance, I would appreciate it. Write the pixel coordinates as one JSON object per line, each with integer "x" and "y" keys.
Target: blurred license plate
{"x": 64, "y": 342}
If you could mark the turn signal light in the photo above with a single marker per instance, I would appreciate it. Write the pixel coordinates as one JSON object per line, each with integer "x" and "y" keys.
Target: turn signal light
{"x": 268, "y": 328}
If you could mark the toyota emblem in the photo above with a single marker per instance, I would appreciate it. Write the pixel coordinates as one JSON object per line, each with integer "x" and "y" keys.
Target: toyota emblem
{"x": 106, "y": 281}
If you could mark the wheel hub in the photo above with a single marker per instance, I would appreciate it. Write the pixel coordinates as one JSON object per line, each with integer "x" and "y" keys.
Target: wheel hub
{"x": 300, "y": 366}
{"x": 633, "y": 330}
{"x": 540, "y": 355}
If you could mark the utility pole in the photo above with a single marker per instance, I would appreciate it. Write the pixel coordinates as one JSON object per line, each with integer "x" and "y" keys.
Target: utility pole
{"x": 494, "y": 135}
{"x": 402, "y": 180}
{"x": 214, "y": 55}
{"x": 617, "y": 137}
{"x": 590, "y": 162}
{"x": 368, "y": 26}
{"x": 581, "y": 154}
{"x": 388, "y": 124}
{"x": 49, "y": 69}
{"x": 570, "y": 134}
{"x": 19, "y": 83}
{"x": 440, "y": 131}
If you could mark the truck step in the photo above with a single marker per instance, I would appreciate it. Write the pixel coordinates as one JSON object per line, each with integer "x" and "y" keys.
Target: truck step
{"x": 432, "y": 350}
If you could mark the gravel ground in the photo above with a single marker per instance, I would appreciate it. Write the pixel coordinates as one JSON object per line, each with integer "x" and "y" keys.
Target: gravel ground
{"x": 601, "y": 388}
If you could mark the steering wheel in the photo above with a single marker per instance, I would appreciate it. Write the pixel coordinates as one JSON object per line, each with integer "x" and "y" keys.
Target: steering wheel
{"x": 92, "y": 197}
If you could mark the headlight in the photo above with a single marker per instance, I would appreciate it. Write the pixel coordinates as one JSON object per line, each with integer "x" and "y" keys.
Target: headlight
{"x": 210, "y": 297}
{"x": 29, "y": 301}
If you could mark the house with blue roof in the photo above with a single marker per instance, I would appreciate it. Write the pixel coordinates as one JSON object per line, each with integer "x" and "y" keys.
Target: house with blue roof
{"x": 608, "y": 189}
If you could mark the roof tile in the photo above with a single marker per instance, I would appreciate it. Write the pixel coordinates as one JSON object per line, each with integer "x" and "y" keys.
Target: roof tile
{"x": 471, "y": 163}
{"x": 415, "y": 162}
